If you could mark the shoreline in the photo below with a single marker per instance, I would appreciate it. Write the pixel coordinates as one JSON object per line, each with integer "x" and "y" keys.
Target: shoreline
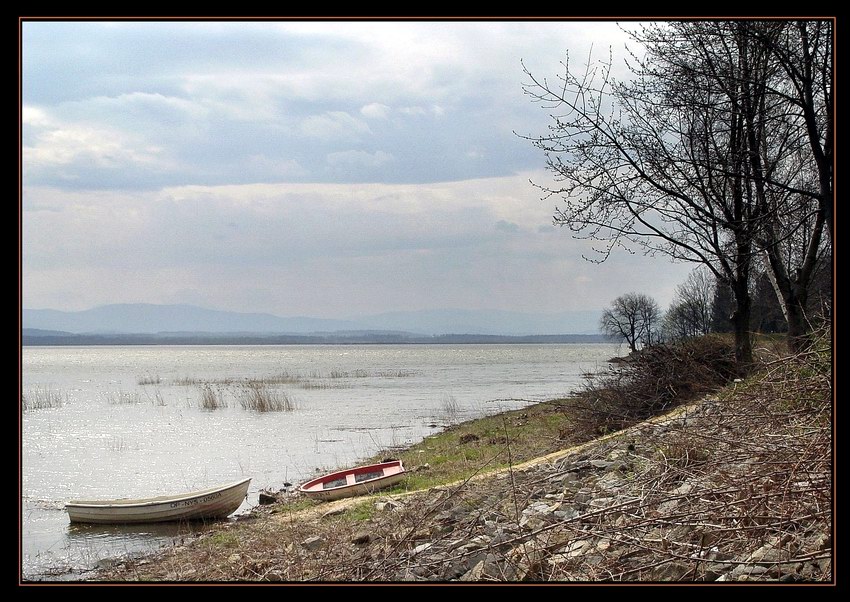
{"x": 663, "y": 500}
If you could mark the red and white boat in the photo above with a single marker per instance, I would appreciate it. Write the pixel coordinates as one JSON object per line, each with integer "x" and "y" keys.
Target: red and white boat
{"x": 362, "y": 480}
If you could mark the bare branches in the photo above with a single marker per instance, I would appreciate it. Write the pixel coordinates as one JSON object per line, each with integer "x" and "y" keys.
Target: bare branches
{"x": 701, "y": 155}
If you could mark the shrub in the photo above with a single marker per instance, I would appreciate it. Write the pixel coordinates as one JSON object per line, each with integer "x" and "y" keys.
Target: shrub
{"x": 655, "y": 379}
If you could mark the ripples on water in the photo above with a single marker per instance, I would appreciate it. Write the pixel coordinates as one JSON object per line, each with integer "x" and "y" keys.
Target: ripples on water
{"x": 107, "y": 422}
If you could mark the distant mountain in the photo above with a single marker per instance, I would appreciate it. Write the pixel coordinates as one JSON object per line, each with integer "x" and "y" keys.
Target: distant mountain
{"x": 147, "y": 318}
{"x": 142, "y": 318}
{"x": 38, "y": 332}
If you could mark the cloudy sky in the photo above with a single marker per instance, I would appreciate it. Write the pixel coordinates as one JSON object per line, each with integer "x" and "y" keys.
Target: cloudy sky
{"x": 330, "y": 169}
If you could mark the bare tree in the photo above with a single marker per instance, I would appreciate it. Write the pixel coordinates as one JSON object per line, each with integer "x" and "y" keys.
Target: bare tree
{"x": 694, "y": 157}
{"x": 691, "y": 310}
{"x": 795, "y": 186}
{"x": 634, "y": 317}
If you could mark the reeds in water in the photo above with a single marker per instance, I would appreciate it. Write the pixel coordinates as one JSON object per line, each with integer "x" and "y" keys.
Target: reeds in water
{"x": 42, "y": 398}
{"x": 257, "y": 396}
{"x": 211, "y": 399}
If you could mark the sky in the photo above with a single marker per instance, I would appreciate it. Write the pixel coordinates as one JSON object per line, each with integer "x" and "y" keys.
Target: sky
{"x": 318, "y": 168}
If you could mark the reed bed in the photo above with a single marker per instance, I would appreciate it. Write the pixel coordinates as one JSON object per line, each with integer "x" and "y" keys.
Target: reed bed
{"x": 212, "y": 398}
{"x": 259, "y": 397}
{"x": 41, "y": 398}
{"x": 149, "y": 379}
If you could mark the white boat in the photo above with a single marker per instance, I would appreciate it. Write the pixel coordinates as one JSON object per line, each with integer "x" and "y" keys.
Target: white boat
{"x": 362, "y": 480}
{"x": 216, "y": 502}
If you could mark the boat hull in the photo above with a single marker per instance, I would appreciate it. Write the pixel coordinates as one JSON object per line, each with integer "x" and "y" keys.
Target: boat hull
{"x": 319, "y": 489}
{"x": 217, "y": 502}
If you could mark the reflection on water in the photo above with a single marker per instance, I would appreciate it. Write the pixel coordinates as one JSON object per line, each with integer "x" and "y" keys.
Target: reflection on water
{"x": 113, "y": 422}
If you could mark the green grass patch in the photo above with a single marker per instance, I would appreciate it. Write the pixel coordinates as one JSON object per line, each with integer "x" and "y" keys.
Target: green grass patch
{"x": 488, "y": 443}
{"x": 223, "y": 539}
{"x": 360, "y": 512}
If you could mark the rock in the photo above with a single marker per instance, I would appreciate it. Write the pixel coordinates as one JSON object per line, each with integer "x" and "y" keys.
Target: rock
{"x": 334, "y": 512}
{"x": 468, "y": 438}
{"x": 582, "y": 496}
{"x": 672, "y": 571}
{"x": 421, "y": 548}
{"x": 767, "y": 555}
{"x": 611, "y": 480}
{"x": 668, "y": 506}
{"x": 387, "y": 505}
{"x": 565, "y": 513}
{"x": 267, "y": 498}
{"x": 577, "y": 548}
{"x": 475, "y": 573}
{"x": 602, "y": 502}
{"x": 361, "y": 537}
{"x": 313, "y": 543}
{"x": 476, "y": 543}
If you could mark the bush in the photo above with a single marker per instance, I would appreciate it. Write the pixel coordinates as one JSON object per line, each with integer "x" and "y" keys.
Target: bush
{"x": 655, "y": 379}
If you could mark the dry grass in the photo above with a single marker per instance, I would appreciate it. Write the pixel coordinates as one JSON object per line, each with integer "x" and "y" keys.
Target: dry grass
{"x": 41, "y": 398}
{"x": 149, "y": 379}
{"x": 450, "y": 407}
{"x": 259, "y": 397}
{"x": 656, "y": 379}
{"x": 212, "y": 398}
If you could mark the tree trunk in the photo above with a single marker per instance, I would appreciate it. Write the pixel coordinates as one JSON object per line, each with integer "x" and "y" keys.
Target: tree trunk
{"x": 798, "y": 331}
{"x": 741, "y": 322}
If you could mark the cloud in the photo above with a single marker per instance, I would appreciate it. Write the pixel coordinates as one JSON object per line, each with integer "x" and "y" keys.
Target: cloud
{"x": 358, "y": 158}
{"x": 334, "y": 125}
{"x": 375, "y": 110}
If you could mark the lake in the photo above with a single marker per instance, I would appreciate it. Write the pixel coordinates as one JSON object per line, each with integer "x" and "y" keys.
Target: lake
{"x": 129, "y": 421}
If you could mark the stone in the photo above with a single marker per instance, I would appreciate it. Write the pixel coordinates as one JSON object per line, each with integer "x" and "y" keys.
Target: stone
{"x": 313, "y": 543}
{"x": 475, "y": 573}
{"x": 361, "y": 537}
{"x": 582, "y": 496}
{"x": 387, "y": 505}
{"x": 421, "y": 548}
{"x": 672, "y": 571}
{"x": 610, "y": 481}
{"x": 767, "y": 554}
{"x": 334, "y": 512}
{"x": 602, "y": 502}
{"x": 565, "y": 513}
{"x": 267, "y": 498}
{"x": 577, "y": 548}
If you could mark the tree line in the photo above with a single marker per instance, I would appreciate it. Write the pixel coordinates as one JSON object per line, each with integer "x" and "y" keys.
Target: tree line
{"x": 717, "y": 150}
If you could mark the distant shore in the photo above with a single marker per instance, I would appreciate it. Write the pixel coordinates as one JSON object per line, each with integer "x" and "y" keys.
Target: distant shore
{"x": 38, "y": 338}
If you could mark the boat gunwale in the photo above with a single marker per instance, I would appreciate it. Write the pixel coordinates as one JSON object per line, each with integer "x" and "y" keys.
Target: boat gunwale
{"x": 305, "y": 488}
{"x": 154, "y": 501}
